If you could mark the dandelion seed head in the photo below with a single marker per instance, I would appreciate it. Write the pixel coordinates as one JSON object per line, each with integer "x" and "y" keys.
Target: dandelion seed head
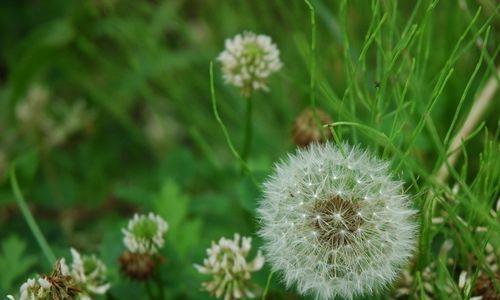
{"x": 343, "y": 256}
{"x": 248, "y": 60}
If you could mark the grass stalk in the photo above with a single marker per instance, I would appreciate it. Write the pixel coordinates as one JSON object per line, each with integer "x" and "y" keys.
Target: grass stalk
{"x": 478, "y": 108}
{"x": 268, "y": 283}
{"x": 28, "y": 217}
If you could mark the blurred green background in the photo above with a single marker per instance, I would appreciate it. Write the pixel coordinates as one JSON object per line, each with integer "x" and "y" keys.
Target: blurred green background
{"x": 105, "y": 110}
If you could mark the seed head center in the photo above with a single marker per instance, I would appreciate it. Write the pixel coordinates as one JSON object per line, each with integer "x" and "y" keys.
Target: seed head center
{"x": 336, "y": 221}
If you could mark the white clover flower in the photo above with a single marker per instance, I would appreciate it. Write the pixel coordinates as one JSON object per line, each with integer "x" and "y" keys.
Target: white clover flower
{"x": 34, "y": 289}
{"x": 227, "y": 263}
{"x": 145, "y": 233}
{"x": 248, "y": 60}
{"x": 89, "y": 273}
{"x": 335, "y": 223}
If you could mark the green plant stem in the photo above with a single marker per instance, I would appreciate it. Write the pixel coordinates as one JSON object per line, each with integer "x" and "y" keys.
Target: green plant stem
{"x": 28, "y": 217}
{"x": 161, "y": 291}
{"x": 149, "y": 292}
{"x": 224, "y": 129}
{"x": 268, "y": 283}
{"x": 312, "y": 79}
{"x": 247, "y": 144}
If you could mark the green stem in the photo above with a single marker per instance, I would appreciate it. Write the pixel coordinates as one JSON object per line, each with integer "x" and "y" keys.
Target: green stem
{"x": 248, "y": 129}
{"x": 224, "y": 129}
{"x": 312, "y": 79}
{"x": 149, "y": 292}
{"x": 28, "y": 217}
{"x": 159, "y": 283}
{"x": 266, "y": 289}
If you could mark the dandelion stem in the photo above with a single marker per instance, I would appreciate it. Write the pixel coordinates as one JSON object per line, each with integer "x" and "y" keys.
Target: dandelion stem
{"x": 247, "y": 144}
{"x": 28, "y": 217}
{"x": 266, "y": 289}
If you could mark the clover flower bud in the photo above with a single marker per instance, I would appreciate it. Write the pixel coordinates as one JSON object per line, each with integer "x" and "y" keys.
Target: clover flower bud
{"x": 231, "y": 272}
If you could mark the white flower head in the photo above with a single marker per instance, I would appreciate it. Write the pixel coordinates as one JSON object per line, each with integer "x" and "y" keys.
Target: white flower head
{"x": 227, "y": 263}
{"x": 248, "y": 60}
{"x": 89, "y": 273}
{"x": 335, "y": 223}
{"x": 145, "y": 234}
{"x": 34, "y": 289}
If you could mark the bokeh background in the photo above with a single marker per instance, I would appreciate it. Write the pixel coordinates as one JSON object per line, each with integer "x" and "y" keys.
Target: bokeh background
{"x": 105, "y": 110}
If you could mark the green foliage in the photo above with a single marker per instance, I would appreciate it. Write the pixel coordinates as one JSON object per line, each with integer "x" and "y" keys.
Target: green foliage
{"x": 173, "y": 206}
{"x": 15, "y": 262}
{"x": 155, "y": 129}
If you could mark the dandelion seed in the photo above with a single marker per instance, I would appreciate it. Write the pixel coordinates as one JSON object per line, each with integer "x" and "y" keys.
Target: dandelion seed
{"x": 248, "y": 60}
{"x": 227, "y": 263}
{"x": 345, "y": 257}
{"x": 145, "y": 233}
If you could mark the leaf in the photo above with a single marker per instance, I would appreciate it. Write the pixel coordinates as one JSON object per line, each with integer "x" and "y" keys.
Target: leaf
{"x": 248, "y": 195}
{"x": 14, "y": 260}
{"x": 27, "y": 165}
{"x": 171, "y": 205}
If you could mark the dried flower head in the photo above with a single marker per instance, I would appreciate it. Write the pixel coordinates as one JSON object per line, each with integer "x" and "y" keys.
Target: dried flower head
{"x": 306, "y": 130}
{"x": 227, "y": 263}
{"x": 485, "y": 287}
{"x": 63, "y": 285}
{"x": 248, "y": 60}
{"x": 145, "y": 233}
{"x": 90, "y": 274}
{"x": 335, "y": 223}
{"x": 137, "y": 266}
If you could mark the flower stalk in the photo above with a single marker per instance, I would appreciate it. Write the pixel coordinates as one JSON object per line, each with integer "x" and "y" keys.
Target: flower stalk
{"x": 247, "y": 143}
